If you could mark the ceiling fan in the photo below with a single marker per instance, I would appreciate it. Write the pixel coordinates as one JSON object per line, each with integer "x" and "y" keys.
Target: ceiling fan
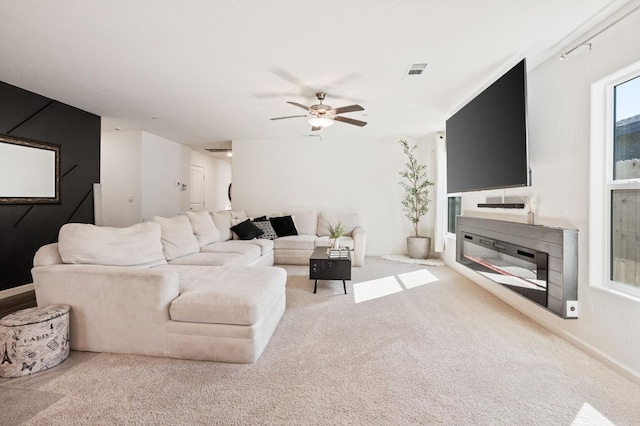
{"x": 322, "y": 115}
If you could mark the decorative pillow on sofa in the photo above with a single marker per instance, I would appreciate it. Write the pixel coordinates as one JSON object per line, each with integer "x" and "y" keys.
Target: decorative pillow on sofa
{"x": 265, "y": 226}
{"x": 284, "y": 226}
{"x": 177, "y": 236}
{"x": 306, "y": 222}
{"x": 203, "y": 227}
{"x": 136, "y": 245}
{"x": 246, "y": 230}
{"x": 348, "y": 221}
{"x": 238, "y": 215}
{"x": 222, "y": 220}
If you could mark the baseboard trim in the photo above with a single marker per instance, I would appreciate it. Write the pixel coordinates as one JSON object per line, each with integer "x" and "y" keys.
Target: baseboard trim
{"x": 605, "y": 358}
{"x": 621, "y": 368}
{"x": 16, "y": 290}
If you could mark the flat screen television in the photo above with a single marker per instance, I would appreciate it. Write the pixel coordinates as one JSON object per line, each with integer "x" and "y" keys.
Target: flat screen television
{"x": 487, "y": 138}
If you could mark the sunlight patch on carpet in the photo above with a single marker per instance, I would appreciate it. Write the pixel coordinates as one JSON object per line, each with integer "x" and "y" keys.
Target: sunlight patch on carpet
{"x": 416, "y": 278}
{"x": 590, "y": 416}
{"x": 374, "y": 289}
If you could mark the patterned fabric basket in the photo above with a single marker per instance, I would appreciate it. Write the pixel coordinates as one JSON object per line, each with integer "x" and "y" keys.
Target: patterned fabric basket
{"x": 33, "y": 340}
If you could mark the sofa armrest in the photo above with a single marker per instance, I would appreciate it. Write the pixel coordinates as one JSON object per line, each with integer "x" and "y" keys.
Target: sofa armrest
{"x": 113, "y": 309}
{"x": 359, "y": 236}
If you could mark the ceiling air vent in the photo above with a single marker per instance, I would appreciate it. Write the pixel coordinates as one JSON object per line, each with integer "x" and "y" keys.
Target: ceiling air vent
{"x": 220, "y": 152}
{"x": 415, "y": 70}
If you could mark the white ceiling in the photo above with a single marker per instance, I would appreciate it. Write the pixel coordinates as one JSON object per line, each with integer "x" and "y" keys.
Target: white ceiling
{"x": 204, "y": 72}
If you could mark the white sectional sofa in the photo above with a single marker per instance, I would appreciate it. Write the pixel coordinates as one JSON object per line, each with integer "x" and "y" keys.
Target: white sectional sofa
{"x": 180, "y": 287}
{"x": 144, "y": 290}
{"x": 313, "y": 231}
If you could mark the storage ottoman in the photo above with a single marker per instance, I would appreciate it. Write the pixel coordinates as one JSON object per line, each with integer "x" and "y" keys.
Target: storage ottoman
{"x": 33, "y": 340}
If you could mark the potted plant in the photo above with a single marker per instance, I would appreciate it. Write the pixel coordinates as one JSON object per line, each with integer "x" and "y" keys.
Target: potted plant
{"x": 416, "y": 200}
{"x": 335, "y": 233}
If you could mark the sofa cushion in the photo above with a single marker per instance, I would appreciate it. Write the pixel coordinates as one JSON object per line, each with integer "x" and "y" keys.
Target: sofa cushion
{"x": 267, "y": 229}
{"x": 227, "y": 294}
{"x": 306, "y": 222}
{"x": 212, "y": 259}
{"x": 136, "y": 245}
{"x": 246, "y": 230}
{"x": 222, "y": 220}
{"x": 49, "y": 255}
{"x": 177, "y": 236}
{"x": 349, "y": 222}
{"x": 250, "y": 251}
{"x": 296, "y": 242}
{"x": 284, "y": 226}
{"x": 203, "y": 227}
{"x": 237, "y": 215}
{"x": 266, "y": 246}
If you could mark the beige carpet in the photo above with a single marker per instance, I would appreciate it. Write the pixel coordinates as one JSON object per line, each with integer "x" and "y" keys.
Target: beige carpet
{"x": 436, "y": 349}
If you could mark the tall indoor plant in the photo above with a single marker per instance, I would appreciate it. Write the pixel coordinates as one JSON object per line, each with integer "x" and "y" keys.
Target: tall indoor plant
{"x": 416, "y": 200}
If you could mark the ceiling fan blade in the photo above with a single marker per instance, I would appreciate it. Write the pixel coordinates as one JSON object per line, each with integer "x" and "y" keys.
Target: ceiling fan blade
{"x": 350, "y": 121}
{"x": 315, "y": 128}
{"x": 348, "y": 108}
{"x": 288, "y": 116}
{"x": 298, "y": 105}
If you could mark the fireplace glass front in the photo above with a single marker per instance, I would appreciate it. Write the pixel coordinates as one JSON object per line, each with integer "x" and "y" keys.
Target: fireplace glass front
{"x": 520, "y": 269}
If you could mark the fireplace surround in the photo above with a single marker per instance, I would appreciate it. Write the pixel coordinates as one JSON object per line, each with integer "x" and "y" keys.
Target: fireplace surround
{"x": 537, "y": 262}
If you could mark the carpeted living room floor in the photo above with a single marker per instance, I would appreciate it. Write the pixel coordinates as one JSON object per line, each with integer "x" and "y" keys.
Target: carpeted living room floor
{"x": 409, "y": 344}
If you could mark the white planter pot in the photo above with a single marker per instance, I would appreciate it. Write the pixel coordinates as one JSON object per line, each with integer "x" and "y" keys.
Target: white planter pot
{"x": 336, "y": 243}
{"x": 418, "y": 247}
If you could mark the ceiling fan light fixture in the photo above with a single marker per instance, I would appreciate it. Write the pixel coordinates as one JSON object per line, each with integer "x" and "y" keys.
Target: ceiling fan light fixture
{"x": 321, "y": 122}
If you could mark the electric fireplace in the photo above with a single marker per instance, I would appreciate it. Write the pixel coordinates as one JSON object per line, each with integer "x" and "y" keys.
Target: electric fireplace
{"x": 518, "y": 268}
{"x": 539, "y": 263}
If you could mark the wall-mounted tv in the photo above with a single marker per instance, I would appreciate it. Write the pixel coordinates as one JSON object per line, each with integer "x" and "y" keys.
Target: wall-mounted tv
{"x": 487, "y": 138}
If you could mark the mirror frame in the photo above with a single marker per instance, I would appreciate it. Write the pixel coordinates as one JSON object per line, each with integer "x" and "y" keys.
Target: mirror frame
{"x": 38, "y": 145}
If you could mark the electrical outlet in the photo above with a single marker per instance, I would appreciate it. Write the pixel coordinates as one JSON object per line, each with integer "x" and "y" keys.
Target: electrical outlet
{"x": 572, "y": 309}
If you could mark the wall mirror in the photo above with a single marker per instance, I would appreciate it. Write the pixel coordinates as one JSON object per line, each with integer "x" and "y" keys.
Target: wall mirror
{"x": 29, "y": 171}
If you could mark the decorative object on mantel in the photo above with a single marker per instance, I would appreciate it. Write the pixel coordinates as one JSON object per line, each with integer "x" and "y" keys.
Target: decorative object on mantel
{"x": 335, "y": 234}
{"x": 531, "y": 204}
{"x": 416, "y": 201}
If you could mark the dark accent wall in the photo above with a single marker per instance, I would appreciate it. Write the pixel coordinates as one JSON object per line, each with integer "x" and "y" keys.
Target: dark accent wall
{"x": 25, "y": 228}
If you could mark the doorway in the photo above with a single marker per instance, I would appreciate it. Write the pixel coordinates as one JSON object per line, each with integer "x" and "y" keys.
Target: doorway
{"x": 196, "y": 197}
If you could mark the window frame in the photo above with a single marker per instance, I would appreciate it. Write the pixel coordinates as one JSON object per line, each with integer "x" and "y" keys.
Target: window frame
{"x": 452, "y": 195}
{"x": 602, "y": 183}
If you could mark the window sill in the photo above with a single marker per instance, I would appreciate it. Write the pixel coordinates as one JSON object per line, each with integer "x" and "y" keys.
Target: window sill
{"x": 629, "y": 294}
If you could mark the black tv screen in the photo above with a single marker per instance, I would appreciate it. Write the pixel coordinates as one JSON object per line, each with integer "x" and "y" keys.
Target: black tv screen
{"x": 487, "y": 138}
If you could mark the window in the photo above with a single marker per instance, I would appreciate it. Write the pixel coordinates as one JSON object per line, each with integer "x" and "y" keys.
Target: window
{"x": 453, "y": 210}
{"x": 614, "y": 240}
{"x": 624, "y": 186}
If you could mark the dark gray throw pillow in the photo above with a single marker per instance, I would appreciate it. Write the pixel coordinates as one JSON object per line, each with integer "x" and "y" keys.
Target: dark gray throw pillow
{"x": 247, "y": 230}
{"x": 283, "y": 226}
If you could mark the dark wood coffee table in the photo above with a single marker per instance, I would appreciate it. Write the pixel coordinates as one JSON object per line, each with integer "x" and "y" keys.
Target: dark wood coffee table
{"x": 323, "y": 267}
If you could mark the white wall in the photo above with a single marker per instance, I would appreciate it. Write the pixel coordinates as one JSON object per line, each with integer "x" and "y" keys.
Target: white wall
{"x": 331, "y": 175}
{"x": 217, "y": 180}
{"x": 120, "y": 159}
{"x": 164, "y": 164}
{"x": 559, "y": 125}
{"x": 143, "y": 168}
